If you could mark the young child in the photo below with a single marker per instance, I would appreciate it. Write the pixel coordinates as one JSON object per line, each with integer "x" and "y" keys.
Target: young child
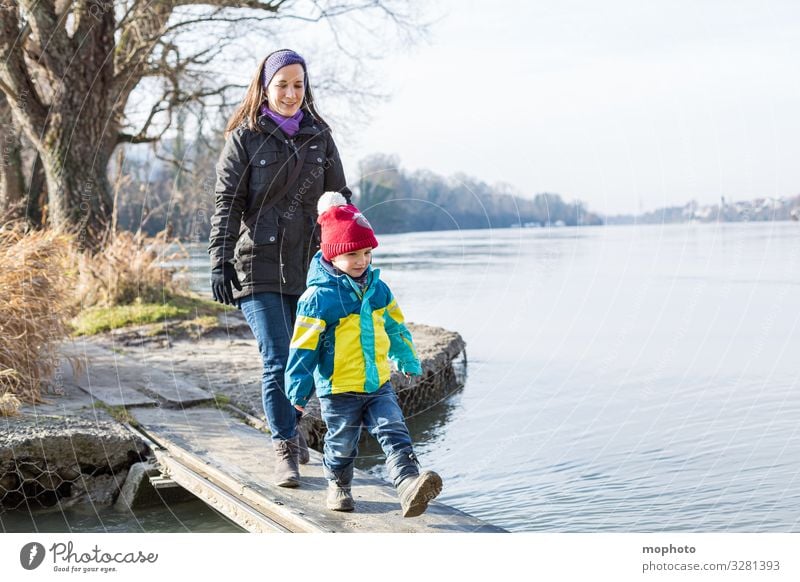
{"x": 348, "y": 326}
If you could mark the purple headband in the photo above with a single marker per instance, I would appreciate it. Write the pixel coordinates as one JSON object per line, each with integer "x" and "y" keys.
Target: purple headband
{"x": 278, "y": 60}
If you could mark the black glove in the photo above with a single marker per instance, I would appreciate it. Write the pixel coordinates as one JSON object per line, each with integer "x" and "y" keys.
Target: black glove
{"x": 221, "y": 278}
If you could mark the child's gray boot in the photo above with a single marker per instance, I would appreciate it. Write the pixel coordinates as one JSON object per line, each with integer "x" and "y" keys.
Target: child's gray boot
{"x": 339, "y": 497}
{"x": 287, "y": 473}
{"x": 417, "y": 491}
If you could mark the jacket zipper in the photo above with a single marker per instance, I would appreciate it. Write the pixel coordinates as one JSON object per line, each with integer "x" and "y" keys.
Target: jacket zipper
{"x": 280, "y": 256}
{"x": 291, "y": 144}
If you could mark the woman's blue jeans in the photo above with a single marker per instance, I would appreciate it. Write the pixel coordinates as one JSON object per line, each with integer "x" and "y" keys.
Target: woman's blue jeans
{"x": 271, "y": 317}
{"x": 380, "y": 413}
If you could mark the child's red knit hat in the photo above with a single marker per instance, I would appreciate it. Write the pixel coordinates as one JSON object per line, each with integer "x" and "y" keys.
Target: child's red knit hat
{"x": 344, "y": 228}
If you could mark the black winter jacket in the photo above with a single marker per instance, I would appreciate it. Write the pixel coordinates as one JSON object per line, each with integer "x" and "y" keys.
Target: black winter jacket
{"x": 272, "y": 249}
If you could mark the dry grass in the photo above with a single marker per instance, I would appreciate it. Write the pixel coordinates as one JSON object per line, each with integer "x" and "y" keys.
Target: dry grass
{"x": 9, "y": 405}
{"x": 37, "y": 274}
{"x": 129, "y": 270}
{"x": 45, "y": 281}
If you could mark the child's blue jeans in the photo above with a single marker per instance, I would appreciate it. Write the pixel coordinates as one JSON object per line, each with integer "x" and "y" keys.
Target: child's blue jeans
{"x": 380, "y": 413}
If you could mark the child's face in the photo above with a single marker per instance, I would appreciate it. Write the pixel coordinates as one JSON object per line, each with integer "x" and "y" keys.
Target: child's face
{"x": 354, "y": 263}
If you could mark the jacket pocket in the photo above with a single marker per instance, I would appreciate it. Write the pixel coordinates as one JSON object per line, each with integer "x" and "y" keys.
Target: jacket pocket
{"x": 265, "y": 228}
{"x": 261, "y": 262}
{"x": 264, "y": 168}
{"x": 312, "y": 180}
{"x": 261, "y": 166}
{"x": 314, "y": 158}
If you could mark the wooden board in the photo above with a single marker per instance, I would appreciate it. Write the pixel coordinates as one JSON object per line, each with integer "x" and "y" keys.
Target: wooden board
{"x": 240, "y": 459}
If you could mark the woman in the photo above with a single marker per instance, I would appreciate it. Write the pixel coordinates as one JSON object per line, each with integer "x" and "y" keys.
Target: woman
{"x": 278, "y": 159}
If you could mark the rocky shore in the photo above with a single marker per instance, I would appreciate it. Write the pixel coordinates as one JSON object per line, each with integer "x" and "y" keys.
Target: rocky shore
{"x": 78, "y": 447}
{"x": 45, "y": 459}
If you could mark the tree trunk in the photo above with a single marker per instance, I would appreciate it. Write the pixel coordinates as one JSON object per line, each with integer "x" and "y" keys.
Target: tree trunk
{"x": 37, "y": 194}
{"x": 80, "y": 137}
{"x": 77, "y": 149}
{"x": 79, "y": 193}
{"x": 12, "y": 183}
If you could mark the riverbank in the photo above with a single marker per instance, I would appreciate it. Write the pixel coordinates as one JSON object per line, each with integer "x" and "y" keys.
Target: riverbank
{"x": 77, "y": 447}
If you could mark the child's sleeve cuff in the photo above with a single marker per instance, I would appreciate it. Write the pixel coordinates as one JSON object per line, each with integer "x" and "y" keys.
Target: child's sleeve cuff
{"x": 413, "y": 367}
{"x": 300, "y": 401}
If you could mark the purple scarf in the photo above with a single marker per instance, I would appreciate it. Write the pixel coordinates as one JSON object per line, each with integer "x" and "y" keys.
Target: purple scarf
{"x": 289, "y": 125}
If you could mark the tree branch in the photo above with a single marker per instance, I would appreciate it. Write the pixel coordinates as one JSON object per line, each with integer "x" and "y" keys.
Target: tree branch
{"x": 130, "y": 138}
{"x": 15, "y": 81}
{"x": 215, "y": 18}
{"x": 175, "y": 70}
{"x": 273, "y": 6}
{"x": 180, "y": 165}
{"x": 51, "y": 34}
{"x": 140, "y": 33}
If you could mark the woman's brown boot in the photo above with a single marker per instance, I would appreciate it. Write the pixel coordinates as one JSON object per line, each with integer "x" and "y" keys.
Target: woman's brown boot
{"x": 287, "y": 473}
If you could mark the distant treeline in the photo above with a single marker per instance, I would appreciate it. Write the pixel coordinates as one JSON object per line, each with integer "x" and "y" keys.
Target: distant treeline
{"x": 398, "y": 201}
{"x": 757, "y": 210}
{"x": 155, "y": 192}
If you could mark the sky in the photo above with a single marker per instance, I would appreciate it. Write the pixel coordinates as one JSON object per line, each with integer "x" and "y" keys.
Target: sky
{"x": 626, "y": 105}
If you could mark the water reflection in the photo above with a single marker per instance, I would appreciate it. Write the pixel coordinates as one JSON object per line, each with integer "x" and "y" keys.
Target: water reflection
{"x": 188, "y": 516}
{"x": 427, "y": 429}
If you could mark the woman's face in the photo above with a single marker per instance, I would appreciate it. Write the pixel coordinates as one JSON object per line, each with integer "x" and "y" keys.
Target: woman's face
{"x": 286, "y": 90}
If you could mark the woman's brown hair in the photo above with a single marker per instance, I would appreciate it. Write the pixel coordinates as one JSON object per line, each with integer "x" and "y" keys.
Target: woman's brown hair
{"x": 256, "y": 94}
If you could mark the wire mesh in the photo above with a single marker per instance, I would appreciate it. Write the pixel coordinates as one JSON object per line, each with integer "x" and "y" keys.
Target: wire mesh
{"x": 34, "y": 483}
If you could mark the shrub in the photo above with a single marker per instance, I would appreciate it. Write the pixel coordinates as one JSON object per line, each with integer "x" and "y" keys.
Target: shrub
{"x": 129, "y": 270}
{"x": 37, "y": 274}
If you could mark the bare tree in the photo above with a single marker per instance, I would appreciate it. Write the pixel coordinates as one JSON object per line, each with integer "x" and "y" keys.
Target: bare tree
{"x": 69, "y": 67}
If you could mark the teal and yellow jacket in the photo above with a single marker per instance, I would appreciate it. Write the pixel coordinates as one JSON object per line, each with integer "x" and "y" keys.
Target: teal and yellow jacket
{"x": 343, "y": 337}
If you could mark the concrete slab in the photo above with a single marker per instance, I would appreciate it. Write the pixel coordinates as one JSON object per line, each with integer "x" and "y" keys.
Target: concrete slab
{"x": 119, "y": 396}
{"x": 175, "y": 391}
{"x": 101, "y": 372}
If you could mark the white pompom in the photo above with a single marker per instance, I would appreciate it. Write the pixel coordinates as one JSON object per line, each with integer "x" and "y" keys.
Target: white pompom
{"x": 329, "y": 200}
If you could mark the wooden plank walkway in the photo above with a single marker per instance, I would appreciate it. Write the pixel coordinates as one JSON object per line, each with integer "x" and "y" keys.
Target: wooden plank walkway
{"x": 213, "y": 453}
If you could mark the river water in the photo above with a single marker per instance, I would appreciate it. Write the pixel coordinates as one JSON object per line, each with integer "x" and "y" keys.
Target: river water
{"x": 619, "y": 378}
{"x": 632, "y": 378}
